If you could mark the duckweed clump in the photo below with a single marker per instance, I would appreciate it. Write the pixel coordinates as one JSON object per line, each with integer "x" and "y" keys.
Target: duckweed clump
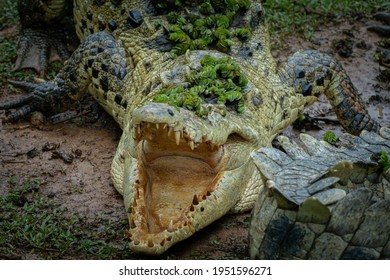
{"x": 384, "y": 161}
{"x": 207, "y": 29}
{"x": 218, "y": 82}
{"x": 329, "y": 137}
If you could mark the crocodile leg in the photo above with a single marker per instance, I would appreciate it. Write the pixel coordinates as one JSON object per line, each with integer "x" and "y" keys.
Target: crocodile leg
{"x": 98, "y": 63}
{"x": 314, "y": 73}
{"x": 45, "y": 34}
{"x": 324, "y": 202}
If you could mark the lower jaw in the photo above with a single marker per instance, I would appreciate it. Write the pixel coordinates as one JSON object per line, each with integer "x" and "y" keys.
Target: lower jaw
{"x": 204, "y": 213}
{"x": 170, "y": 190}
{"x": 171, "y": 187}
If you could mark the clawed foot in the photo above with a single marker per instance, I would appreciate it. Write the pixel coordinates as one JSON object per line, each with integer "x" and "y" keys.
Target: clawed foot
{"x": 40, "y": 46}
{"x": 45, "y": 97}
{"x": 297, "y": 174}
{"x": 47, "y": 34}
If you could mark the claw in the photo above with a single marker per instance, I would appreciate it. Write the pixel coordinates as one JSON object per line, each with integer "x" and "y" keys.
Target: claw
{"x": 380, "y": 29}
{"x": 26, "y": 86}
{"x": 19, "y": 114}
{"x": 22, "y": 100}
{"x": 385, "y": 17}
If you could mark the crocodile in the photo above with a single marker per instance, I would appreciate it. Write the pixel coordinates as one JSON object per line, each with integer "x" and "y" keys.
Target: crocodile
{"x": 193, "y": 109}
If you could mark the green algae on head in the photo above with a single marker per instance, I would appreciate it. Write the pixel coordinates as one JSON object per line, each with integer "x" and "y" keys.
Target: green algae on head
{"x": 220, "y": 81}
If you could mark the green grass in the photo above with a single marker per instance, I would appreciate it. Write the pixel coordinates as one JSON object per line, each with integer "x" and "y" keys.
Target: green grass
{"x": 303, "y": 17}
{"x": 8, "y": 13}
{"x": 32, "y": 224}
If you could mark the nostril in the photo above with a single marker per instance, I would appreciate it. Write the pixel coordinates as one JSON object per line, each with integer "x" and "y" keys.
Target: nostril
{"x": 158, "y": 113}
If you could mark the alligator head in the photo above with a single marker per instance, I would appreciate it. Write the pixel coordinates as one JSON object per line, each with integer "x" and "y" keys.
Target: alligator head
{"x": 179, "y": 172}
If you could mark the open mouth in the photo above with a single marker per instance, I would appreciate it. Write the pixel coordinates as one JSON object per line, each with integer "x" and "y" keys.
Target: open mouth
{"x": 176, "y": 177}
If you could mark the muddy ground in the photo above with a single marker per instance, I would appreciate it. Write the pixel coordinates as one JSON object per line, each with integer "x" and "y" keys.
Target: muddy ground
{"x": 83, "y": 186}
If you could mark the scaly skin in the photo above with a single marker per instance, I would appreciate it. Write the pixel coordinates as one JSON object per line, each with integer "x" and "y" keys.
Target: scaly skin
{"x": 179, "y": 172}
{"x": 327, "y": 203}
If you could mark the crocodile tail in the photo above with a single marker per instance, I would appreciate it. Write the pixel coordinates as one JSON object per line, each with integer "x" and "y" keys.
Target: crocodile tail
{"x": 313, "y": 73}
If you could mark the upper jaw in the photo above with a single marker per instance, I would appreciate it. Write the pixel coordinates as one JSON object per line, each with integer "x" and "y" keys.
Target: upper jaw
{"x": 214, "y": 129}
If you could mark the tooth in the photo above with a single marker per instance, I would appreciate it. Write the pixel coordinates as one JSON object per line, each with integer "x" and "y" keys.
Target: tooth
{"x": 157, "y": 126}
{"x": 204, "y": 197}
{"x": 123, "y": 154}
{"x": 148, "y": 125}
{"x": 170, "y": 131}
{"x": 192, "y": 146}
{"x": 165, "y": 126}
{"x": 192, "y": 208}
{"x": 177, "y": 137}
{"x": 136, "y": 195}
{"x": 169, "y": 238}
{"x": 208, "y": 193}
{"x": 132, "y": 223}
{"x": 162, "y": 242}
{"x": 150, "y": 243}
{"x": 170, "y": 227}
{"x": 166, "y": 233}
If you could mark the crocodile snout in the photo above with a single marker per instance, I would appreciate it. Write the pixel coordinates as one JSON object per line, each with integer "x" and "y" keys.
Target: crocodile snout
{"x": 158, "y": 113}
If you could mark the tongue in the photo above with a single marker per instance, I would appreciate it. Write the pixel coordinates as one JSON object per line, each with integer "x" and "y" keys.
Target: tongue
{"x": 172, "y": 183}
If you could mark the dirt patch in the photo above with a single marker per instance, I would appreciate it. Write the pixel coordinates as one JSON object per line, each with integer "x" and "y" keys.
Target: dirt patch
{"x": 75, "y": 169}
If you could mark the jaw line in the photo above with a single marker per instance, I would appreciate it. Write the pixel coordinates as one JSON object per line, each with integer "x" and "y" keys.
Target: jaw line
{"x": 143, "y": 238}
